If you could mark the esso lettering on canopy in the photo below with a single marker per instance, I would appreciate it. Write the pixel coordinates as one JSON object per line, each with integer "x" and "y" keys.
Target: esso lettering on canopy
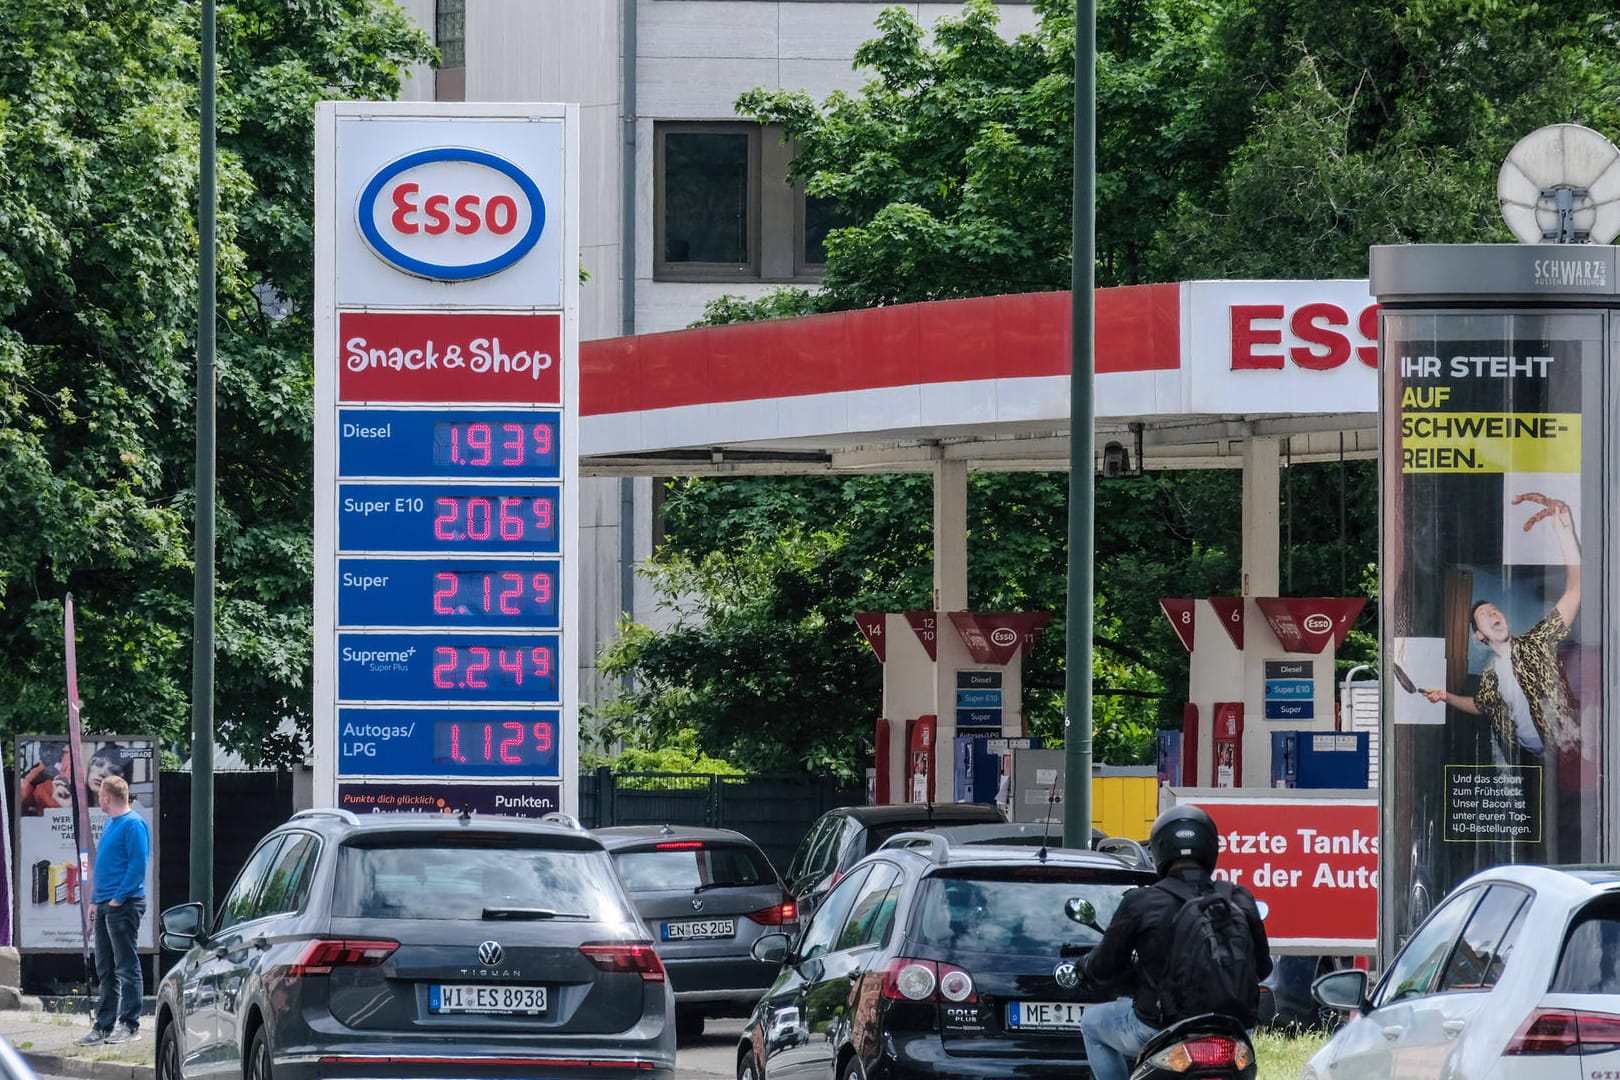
{"x": 451, "y": 213}
{"x": 1324, "y": 336}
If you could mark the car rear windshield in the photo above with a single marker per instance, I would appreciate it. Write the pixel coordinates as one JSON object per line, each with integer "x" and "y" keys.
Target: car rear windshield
{"x": 688, "y": 865}
{"x": 1015, "y": 910}
{"x": 1591, "y": 960}
{"x": 434, "y": 880}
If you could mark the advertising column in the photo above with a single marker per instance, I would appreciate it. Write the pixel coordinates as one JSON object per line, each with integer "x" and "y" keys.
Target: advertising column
{"x": 1493, "y": 407}
{"x": 446, "y": 468}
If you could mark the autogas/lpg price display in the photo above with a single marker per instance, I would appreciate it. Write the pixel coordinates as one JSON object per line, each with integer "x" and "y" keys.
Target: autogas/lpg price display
{"x": 511, "y": 593}
{"x": 434, "y": 517}
{"x": 479, "y": 743}
{"x": 448, "y": 668}
{"x": 440, "y": 741}
{"x": 476, "y": 443}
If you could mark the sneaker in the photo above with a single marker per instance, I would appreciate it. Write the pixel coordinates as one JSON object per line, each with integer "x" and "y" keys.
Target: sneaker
{"x": 122, "y": 1033}
{"x": 94, "y": 1038}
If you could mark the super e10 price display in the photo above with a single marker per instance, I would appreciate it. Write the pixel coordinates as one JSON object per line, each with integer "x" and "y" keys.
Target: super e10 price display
{"x": 439, "y": 518}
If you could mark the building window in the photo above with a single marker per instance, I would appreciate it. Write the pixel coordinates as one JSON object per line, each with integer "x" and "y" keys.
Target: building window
{"x": 723, "y": 210}
{"x": 817, "y": 218}
{"x": 450, "y": 35}
{"x": 707, "y": 191}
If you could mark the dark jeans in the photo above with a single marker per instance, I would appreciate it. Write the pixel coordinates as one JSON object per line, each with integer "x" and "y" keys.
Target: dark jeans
{"x": 118, "y": 966}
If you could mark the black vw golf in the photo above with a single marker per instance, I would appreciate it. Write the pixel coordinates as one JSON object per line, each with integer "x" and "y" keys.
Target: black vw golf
{"x": 934, "y": 960}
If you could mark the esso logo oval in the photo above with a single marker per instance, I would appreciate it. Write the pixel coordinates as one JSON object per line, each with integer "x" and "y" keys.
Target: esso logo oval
{"x": 1318, "y": 623}
{"x": 451, "y": 214}
{"x": 1002, "y": 635}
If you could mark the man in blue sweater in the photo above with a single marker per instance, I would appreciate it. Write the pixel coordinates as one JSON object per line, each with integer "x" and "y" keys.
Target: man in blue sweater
{"x": 119, "y": 900}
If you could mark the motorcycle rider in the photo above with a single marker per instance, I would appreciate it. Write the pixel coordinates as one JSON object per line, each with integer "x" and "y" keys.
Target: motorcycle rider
{"x": 1184, "y": 844}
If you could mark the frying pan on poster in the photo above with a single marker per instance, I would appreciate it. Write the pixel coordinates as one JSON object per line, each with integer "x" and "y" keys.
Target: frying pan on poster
{"x": 1403, "y": 678}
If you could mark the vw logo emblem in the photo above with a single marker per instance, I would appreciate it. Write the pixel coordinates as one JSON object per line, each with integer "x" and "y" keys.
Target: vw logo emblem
{"x": 489, "y": 953}
{"x": 697, "y": 903}
{"x": 1067, "y": 975}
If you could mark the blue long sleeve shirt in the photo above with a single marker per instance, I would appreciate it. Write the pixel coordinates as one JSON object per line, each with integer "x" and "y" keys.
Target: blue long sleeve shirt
{"x": 121, "y": 859}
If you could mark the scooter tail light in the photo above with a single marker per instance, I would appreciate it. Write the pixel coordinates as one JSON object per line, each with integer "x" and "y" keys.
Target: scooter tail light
{"x": 1207, "y": 1052}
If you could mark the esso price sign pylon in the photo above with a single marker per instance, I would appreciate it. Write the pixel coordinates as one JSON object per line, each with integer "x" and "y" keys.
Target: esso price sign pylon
{"x": 446, "y": 458}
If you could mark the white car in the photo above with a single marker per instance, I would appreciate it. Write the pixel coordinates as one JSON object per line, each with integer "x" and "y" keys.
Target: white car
{"x": 1515, "y": 975}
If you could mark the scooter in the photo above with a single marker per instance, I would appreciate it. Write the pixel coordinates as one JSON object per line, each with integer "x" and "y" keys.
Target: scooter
{"x": 1210, "y": 1046}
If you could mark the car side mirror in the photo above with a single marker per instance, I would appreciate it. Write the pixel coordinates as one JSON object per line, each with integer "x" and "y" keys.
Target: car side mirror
{"x": 1345, "y": 991}
{"x": 771, "y": 948}
{"x": 182, "y": 926}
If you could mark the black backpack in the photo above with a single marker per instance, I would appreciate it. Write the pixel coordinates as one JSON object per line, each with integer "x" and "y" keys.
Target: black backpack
{"x": 1210, "y": 964}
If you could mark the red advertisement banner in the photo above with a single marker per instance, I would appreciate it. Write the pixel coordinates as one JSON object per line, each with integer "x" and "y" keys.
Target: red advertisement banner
{"x": 1313, "y": 861}
{"x": 439, "y": 357}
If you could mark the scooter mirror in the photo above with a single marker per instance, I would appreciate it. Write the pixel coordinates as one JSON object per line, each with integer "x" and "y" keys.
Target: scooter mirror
{"x": 1081, "y": 911}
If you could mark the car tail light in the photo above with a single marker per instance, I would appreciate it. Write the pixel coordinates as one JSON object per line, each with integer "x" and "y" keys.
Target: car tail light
{"x": 1566, "y": 1031}
{"x": 777, "y": 914}
{"x": 640, "y": 959}
{"x": 678, "y": 845}
{"x": 926, "y": 980}
{"x": 1204, "y": 1052}
{"x": 322, "y": 955}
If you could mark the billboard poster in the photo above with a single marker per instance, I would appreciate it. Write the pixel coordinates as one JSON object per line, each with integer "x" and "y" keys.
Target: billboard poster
{"x": 48, "y": 877}
{"x": 1314, "y": 861}
{"x": 1492, "y": 489}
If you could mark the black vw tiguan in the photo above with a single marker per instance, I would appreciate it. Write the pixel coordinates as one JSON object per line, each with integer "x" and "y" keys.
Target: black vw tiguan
{"x": 412, "y": 946}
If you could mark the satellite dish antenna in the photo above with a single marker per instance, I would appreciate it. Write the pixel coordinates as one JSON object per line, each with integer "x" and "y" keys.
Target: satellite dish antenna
{"x": 1560, "y": 184}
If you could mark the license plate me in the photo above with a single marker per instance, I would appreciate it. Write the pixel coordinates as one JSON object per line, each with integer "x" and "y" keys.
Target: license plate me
{"x": 699, "y": 928}
{"x": 1044, "y": 1015}
{"x": 485, "y": 998}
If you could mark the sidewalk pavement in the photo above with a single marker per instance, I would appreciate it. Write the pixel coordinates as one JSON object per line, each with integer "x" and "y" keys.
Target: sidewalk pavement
{"x": 46, "y": 1041}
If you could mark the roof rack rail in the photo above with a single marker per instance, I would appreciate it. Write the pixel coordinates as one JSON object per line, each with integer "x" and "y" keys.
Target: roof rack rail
{"x": 939, "y": 848}
{"x": 567, "y": 821}
{"x": 328, "y": 811}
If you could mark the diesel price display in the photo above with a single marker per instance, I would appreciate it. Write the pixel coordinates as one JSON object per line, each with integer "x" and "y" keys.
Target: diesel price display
{"x": 505, "y": 443}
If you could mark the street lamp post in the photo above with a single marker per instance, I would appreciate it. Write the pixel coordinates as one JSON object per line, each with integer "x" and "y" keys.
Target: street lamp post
{"x": 202, "y": 647}
{"x": 1082, "y": 438}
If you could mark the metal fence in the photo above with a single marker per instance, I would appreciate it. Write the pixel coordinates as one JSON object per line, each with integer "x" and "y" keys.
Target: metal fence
{"x": 773, "y": 811}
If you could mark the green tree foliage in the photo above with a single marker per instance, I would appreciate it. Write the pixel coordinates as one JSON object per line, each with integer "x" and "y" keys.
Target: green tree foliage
{"x": 98, "y": 272}
{"x": 1235, "y": 138}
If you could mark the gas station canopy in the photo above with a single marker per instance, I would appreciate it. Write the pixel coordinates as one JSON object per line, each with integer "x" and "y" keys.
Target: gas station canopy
{"x": 1186, "y": 373}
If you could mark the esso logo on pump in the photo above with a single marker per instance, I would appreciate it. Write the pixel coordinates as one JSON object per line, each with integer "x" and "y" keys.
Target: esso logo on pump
{"x": 1003, "y": 636}
{"x": 1322, "y": 336}
{"x": 451, "y": 213}
{"x": 1318, "y": 623}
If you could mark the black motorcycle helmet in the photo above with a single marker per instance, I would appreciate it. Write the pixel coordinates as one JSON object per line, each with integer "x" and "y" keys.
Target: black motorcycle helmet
{"x": 1183, "y": 832}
